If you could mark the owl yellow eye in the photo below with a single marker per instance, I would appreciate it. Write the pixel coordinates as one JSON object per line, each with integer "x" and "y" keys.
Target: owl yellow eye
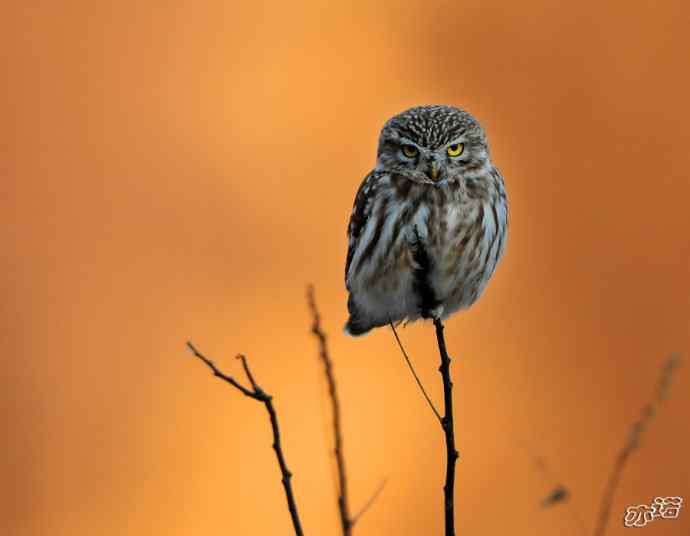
{"x": 410, "y": 151}
{"x": 455, "y": 149}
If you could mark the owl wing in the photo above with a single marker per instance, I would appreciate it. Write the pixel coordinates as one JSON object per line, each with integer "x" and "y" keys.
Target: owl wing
{"x": 361, "y": 210}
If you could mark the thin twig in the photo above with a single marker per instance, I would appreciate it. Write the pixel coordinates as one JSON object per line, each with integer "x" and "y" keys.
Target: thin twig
{"x": 633, "y": 443}
{"x": 259, "y": 394}
{"x": 371, "y": 501}
{"x": 611, "y": 485}
{"x": 414, "y": 373}
{"x": 248, "y": 372}
{"x": 218, "y": 374}
{"x": 346, "y": 522}
{"x": 447, "y": 424}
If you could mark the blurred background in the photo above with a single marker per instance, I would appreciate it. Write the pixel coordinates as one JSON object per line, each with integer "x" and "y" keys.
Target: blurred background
{"x": 182, "y": 170}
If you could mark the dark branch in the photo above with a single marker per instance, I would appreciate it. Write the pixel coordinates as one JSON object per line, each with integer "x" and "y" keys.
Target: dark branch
{"x": 248, "y": 372}
{"x": 633, "y": 443}
{"x": 259, "y": 394}
{"x": 218, "y": 374}
{"x": 447, "y": 424}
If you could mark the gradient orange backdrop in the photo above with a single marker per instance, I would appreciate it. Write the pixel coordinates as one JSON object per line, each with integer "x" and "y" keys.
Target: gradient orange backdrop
{"x": 178, "y": 170}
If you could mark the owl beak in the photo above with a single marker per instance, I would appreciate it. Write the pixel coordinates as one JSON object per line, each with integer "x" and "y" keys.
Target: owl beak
{"x": 433, "y": 172}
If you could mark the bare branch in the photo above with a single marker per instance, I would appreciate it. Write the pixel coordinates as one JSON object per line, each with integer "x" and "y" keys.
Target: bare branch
{"x": 448, "y": 429}
{"x": 218, "y": 374}
{"x": 414, "y": 373}
{"x": 633, "y": 442}
{"x": 346, "y": 521}
{"x": 259, "y": 394}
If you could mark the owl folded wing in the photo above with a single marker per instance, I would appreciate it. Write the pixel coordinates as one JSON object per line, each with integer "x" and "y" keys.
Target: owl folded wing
{"x": 361, "y": 211}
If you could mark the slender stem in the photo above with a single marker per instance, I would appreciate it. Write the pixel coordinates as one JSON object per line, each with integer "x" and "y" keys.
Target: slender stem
{"x": 633, "y": 443}
{"x": 218, "y": 374}
{"x": 346, "y": 522}
{"x": 259, "y": 394}
{"x": 371, "y": 501}
{"x": 414, "y": 373}
{"x": 447, "y": 423}
{"x": 611, "y": 485}
{"x": 285, "y": 472}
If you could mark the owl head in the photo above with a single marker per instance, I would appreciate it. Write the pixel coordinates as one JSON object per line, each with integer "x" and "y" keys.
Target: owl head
{"x": 433, "y": 145}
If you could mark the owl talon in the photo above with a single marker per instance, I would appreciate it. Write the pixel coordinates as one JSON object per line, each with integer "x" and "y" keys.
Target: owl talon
{"x": 432, "y": 314}
{"x": 437, "y": 312}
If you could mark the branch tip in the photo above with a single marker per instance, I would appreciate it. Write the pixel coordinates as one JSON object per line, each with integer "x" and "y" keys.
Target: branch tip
{"x": 633, "y": 442}
{"x": 258, "y": 394}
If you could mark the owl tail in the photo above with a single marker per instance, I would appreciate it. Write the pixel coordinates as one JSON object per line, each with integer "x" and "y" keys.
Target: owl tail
{"x": 356, "y": 326}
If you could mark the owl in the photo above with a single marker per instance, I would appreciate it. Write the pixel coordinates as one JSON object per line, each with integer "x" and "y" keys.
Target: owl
{"x": 429, "y": 222}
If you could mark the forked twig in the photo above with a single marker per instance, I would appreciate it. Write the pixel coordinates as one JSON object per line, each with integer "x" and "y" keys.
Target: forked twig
{"x": 633, "y": 442}
{"x": 259, "y": 394}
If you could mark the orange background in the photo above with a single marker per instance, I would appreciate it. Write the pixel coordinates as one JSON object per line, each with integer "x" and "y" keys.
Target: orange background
{"x": 182, "y": 170}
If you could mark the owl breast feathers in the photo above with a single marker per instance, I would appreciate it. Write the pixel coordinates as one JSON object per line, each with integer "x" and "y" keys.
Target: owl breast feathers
{"x": 429, "y": 223}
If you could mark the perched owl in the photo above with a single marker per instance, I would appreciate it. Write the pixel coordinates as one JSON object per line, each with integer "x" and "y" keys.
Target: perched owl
{"x": 429, "y": 222}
